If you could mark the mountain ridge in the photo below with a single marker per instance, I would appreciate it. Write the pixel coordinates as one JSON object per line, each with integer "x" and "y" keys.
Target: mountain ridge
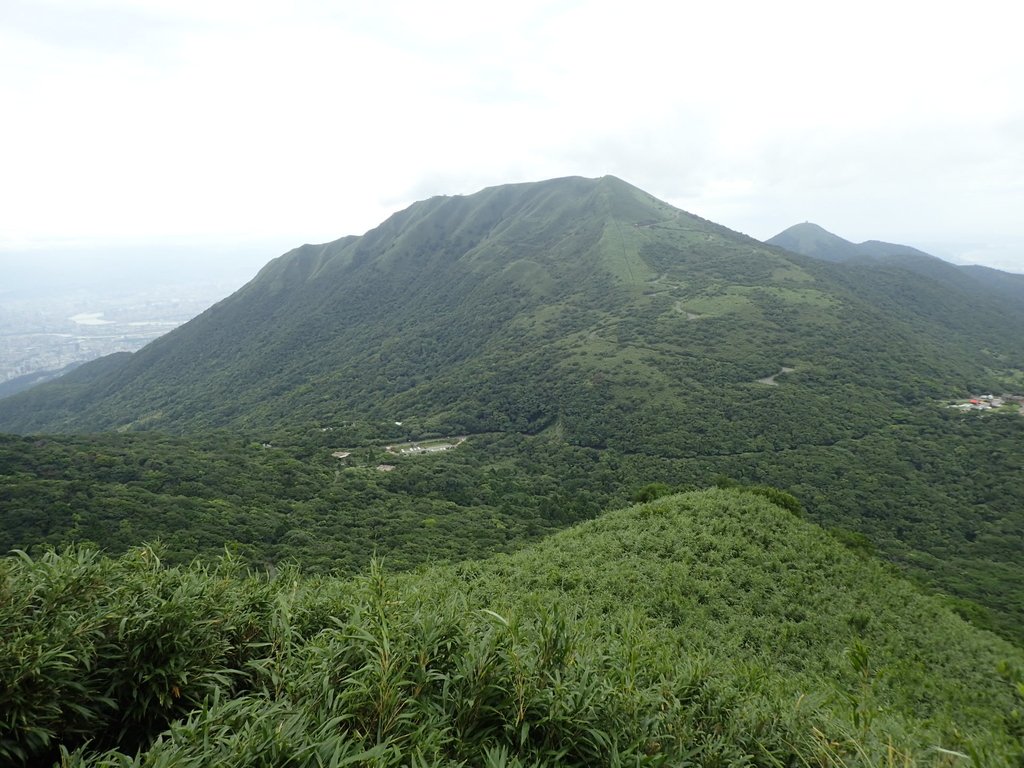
{"x": 813, "y": 240}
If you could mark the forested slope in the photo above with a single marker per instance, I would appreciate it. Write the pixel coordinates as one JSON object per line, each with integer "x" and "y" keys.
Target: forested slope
{"x": 938, "y": 492}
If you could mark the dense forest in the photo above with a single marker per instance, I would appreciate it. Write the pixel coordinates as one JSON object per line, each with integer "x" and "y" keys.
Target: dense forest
{"x": 937, "y": 493}
{"x": 712, "y": 628}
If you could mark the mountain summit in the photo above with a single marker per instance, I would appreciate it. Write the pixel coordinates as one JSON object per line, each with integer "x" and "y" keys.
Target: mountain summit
{"x": 983, "y": 286}
{"x": 813, "y": 240}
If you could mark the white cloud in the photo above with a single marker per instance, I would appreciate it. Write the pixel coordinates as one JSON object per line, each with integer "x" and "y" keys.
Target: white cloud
{"x": 153, "y": 118}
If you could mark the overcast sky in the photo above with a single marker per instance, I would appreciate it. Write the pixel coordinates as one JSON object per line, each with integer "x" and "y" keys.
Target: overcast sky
{"x": 209, "y": 125}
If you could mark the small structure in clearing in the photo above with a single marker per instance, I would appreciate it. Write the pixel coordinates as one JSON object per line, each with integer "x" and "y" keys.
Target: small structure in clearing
{"x": 426, "y": 446}
{"x": 989, "y": 403}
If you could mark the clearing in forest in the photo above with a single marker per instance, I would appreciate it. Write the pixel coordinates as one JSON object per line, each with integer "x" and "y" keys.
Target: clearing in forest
{"x": 426, "y": 446}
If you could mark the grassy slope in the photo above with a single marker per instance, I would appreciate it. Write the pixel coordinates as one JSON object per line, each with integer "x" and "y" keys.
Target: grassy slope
{"x": 711, "y": 628}
{"x": 740, "y": 578}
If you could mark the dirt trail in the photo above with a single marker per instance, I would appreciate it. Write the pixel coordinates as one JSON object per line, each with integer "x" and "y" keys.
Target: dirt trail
{"x": 770, "y": 380}
{"x": 689, "y": 315}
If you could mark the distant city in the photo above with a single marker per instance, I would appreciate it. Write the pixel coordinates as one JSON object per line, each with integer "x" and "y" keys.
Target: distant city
{"x": 40, "y": 337}
{"x": 62, "y": 308}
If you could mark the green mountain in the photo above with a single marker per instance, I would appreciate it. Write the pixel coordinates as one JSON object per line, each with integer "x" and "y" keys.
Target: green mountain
{"x": 813, "y": 240}
{"x": 581, "y": 306}
{"x": 990, "y": 286}
{"x": 710, "y": 628}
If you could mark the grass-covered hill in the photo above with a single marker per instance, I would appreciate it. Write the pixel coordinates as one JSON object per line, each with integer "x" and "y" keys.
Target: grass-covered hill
{"x": 711, "y": 629}
{"x": 577, "y": 305}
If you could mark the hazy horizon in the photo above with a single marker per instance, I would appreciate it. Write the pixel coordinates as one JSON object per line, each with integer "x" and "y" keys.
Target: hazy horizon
{"x": 140, "y": 121}
{"x": 119, "y": 266}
